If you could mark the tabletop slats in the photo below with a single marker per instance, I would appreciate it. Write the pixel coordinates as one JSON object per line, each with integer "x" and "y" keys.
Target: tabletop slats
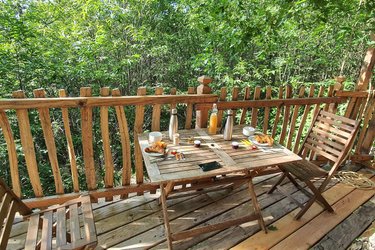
{"x": 213, "y": 148}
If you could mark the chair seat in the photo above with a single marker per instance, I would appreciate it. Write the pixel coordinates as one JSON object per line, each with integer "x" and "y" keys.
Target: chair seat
{"x": 304, "y": 170}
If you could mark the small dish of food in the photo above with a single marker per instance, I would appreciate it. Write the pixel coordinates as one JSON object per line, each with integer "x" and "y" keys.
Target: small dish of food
{"x": 156, "y": 149}
{"x": 262, "y": 140}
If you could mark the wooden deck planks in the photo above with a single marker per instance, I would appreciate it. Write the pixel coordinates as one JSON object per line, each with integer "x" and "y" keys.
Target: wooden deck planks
{"x": 352, "y": 227}
{"x": 185, "y": 206}
{"x": 210, "y": 206}
{"x": 237, "y": 206}
{"x": 287, "y": 225}
{"x": 136, "y": 223}
{"x": 326, "y": 221}
{"x": 273, "y": 208}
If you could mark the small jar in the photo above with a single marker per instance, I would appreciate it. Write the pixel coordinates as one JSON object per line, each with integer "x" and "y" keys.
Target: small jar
{"x": 197, "y": 143}
{"x": 176, "y": 139}
{"x": 235, "y": 145}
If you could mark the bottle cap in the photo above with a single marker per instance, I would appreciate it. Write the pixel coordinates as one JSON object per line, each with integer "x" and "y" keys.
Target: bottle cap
{"x": 230, "y": 112}
{"x": 214, "y": 107}
{"x": 174, "y": 111}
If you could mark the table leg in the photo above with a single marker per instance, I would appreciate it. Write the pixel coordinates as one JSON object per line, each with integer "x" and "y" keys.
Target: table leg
{"x": 256, "y": 206}
{"x": 163, "y": 198}
{"x": 168, "y": 189}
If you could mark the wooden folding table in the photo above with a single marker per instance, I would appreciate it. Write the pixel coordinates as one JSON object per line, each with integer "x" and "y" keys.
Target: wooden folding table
{"x": 179, "y": 178}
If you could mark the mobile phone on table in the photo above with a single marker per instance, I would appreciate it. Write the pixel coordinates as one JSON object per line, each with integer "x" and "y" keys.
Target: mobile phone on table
{"x": 209, "y": 166}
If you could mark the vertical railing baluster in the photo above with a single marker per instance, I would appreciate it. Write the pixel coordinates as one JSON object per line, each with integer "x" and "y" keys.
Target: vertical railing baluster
{"x": 295, "y": 115}
{"x": 70, "y": 146}
{"x": 28, "y": 146}
{"x": 267, "y": 110}
{"x": 125, "y": 142}
{"x": 49, "y": 139}
{"x": 12, "y": 153}
{"x": 104, "y": 128}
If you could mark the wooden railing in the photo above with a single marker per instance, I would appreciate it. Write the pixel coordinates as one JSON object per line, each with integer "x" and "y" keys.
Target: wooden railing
{"x": 108, "y": 108}
{"x": 113, "y": 121}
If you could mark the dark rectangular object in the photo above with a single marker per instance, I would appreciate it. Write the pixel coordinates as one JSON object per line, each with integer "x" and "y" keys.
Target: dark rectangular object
{"x": 209, "y": 166}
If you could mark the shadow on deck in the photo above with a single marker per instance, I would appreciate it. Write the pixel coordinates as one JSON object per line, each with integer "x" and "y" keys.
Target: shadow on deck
{"x": 137, "y": 222}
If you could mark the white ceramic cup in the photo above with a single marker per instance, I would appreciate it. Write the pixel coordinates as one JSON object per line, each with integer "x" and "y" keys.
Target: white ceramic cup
{"x": 248, "y": 131}
{"x": 197, "y": 143}
{"x": 155, "y": 137}
{"x": 235, "y": 145}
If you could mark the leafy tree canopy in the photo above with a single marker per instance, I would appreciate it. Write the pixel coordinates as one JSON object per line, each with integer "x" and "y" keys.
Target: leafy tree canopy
{"x": 71, "y": 43}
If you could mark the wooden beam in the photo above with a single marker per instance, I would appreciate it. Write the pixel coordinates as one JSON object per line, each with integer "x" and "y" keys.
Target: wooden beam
{"x": 342, "y": 93}
{"x": 367, "y": 66}
{"x": 96, "y": 194}
{"x": 68, "y": 102}
{"x": 271, "y": 103}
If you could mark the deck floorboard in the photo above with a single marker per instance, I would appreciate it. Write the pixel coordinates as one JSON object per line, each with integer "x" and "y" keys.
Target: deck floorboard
{"x": 137, "y": 222}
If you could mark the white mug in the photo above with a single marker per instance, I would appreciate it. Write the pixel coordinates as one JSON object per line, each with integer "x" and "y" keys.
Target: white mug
{"x": 154, "y": 137}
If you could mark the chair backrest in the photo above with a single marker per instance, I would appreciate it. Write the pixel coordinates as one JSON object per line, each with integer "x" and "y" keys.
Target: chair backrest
{"x": 9, "y": 206}
{"x": 330, "y": 136}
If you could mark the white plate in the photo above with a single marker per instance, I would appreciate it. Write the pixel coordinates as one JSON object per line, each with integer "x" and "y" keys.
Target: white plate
{"x": 252, "y": 139}
{"x": 153, "y": 154}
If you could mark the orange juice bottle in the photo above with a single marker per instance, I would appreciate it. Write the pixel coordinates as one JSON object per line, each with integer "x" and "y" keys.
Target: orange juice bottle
{"x": 213, "y": 121}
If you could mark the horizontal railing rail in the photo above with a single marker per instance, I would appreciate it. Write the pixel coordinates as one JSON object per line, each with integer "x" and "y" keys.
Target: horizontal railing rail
{"x": 73, "y": 102}
{"x": 271, "y": 103}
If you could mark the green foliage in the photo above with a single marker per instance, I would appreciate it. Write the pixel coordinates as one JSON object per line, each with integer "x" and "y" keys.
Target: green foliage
{"x": 70, "y": 44}
{"x": 126, "y": 44}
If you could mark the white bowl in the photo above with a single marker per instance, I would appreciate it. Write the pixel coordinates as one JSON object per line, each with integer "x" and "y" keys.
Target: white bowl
{"x": 155, "y": 137}
{"x": 247, "y": 131}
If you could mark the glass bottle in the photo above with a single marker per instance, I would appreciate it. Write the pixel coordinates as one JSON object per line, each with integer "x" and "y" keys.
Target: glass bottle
{"x": 213, "y": 120}
{"x": 228, "y": 130}
{"x": 173, "y": 124}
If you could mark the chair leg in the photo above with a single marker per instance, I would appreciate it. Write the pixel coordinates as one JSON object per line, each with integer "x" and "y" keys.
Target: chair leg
{"x": 292, "y": 180}
{"x": 274, "y": 186}
{"x": 319, "y": 196}
{"x": 316, "y": 197}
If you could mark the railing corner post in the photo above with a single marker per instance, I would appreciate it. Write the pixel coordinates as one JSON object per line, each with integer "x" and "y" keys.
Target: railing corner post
{"x": 338, "y": 86}
{"x": 203, "y": 88}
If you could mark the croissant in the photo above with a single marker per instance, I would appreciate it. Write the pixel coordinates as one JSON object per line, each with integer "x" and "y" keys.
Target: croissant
{"x": 156, "y": 147}
{"x": 264, "y": 139}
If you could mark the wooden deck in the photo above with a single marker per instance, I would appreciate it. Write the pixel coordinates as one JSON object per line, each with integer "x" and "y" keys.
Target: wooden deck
{"x": 137, "y": 222}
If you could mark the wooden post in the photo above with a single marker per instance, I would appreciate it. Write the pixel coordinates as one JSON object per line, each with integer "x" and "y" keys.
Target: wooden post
{"x": 189, "y": 110}
{"x": 87, "y": 137}
{"x": 336, "y": 87}
{"x": 138, "y": 128}
{"x": 367, "y": 66}
{"x": 203, "y": 88}
{"x": 362, "y": 85}
{"x": 107, "y": 153}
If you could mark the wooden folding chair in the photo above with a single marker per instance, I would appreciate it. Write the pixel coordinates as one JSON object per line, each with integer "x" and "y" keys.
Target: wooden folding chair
{"x": 57, "y": 227}
{"x": 330, "y": 136}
